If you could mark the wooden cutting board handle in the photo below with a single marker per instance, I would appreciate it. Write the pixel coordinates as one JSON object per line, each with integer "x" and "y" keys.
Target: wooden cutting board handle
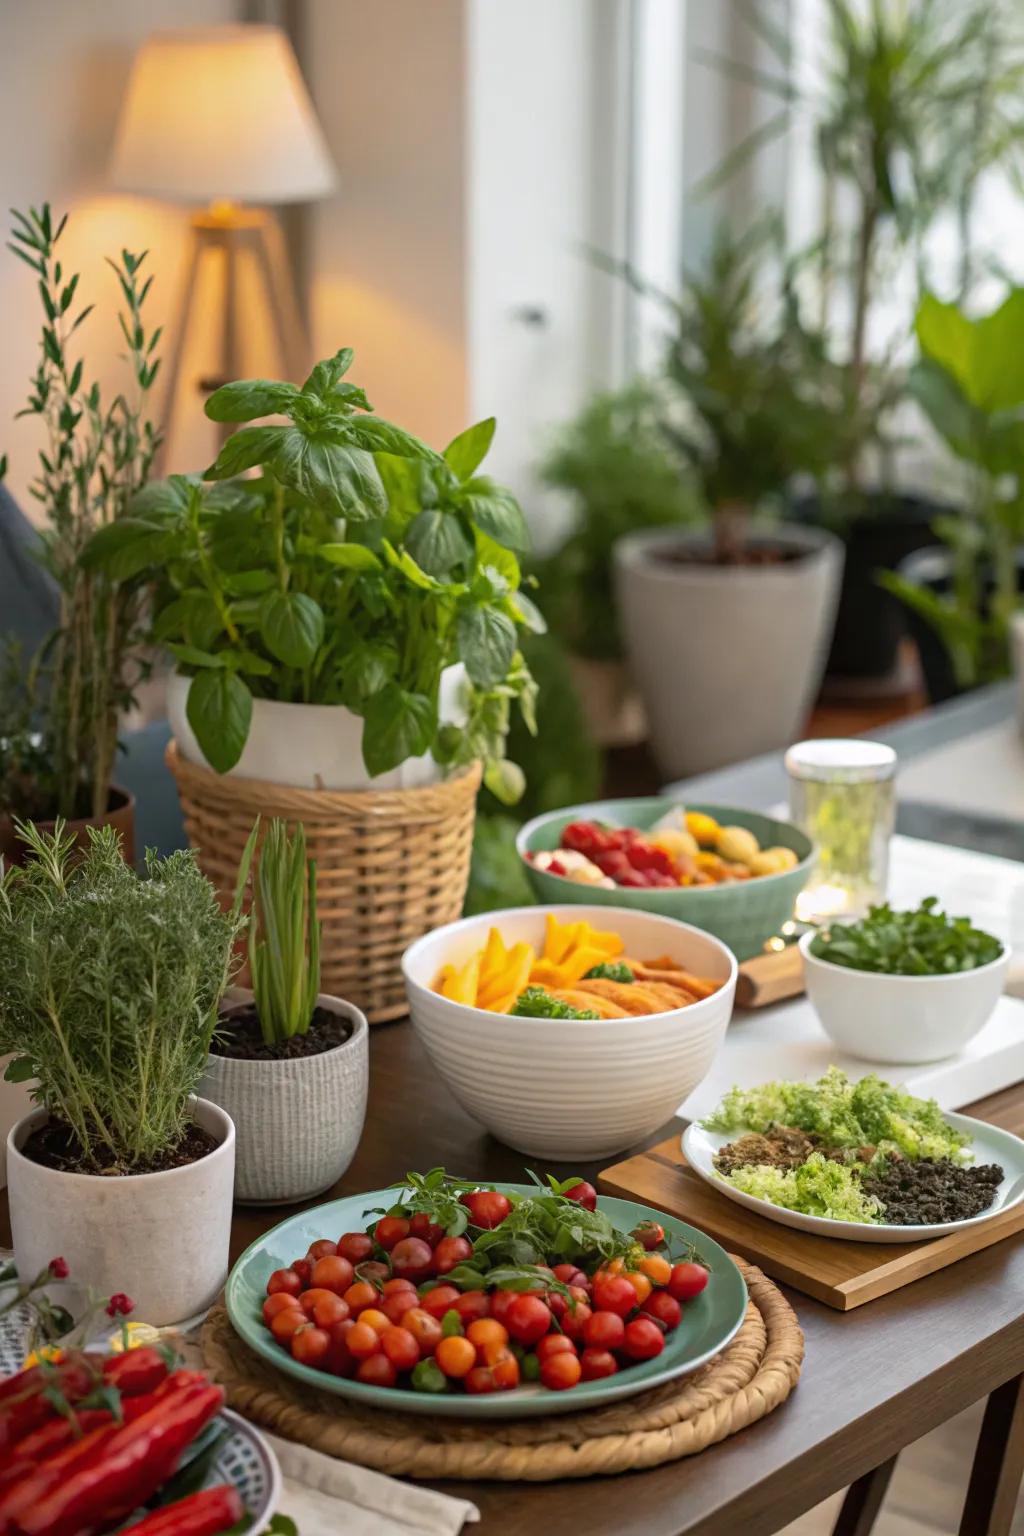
{"x": 770, "y": 978}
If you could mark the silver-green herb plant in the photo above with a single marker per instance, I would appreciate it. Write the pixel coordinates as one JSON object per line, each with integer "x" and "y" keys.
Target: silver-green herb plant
{"x": 284, "y": 935}
{"x": 109, "y": 990}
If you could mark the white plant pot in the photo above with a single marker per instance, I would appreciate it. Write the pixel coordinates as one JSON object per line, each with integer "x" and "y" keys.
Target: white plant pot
{"x": 728, "y": 659}
{"x": 15, "y": 1103}
{"x": 297, "y": 1121}
{"x": 316, "y": 746}
{"x": 161, "y": 1237}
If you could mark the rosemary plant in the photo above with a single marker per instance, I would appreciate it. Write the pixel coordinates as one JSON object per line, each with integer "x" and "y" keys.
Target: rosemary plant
{"x": 109, "y": 990}
{"x": 284, "y": 935}
{"x": 97, "y": 456}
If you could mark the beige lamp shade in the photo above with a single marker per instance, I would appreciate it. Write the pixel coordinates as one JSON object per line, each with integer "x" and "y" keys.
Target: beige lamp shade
{"x": 220, "y": 113}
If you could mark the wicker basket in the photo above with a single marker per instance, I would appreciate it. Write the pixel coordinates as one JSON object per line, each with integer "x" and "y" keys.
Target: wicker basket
{"x": 391, "y": 864}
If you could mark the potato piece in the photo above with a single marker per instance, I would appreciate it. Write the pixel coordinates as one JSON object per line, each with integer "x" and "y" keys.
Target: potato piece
{"x": 737, "y": 845}
{"x": 679, "y": 845}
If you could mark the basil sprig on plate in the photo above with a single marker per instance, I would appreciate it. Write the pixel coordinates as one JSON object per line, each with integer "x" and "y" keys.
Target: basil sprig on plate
{"x": 922, "y": 942}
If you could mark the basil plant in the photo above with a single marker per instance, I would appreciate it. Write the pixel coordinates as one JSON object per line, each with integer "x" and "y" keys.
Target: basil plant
{"x": 336, "y": 559}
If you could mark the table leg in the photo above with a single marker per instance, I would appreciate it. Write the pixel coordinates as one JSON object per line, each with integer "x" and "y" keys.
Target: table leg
{"x": 998, "y": 1464}
{"x": 863, "y": 1501}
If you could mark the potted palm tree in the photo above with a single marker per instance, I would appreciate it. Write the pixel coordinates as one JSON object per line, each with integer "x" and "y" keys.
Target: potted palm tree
{"x": 288, "y": 1063}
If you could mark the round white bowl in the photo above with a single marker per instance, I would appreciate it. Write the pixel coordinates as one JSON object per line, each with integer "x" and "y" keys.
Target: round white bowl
{"x": 564, "y": 1089}
{"x": 901, "y": 1019}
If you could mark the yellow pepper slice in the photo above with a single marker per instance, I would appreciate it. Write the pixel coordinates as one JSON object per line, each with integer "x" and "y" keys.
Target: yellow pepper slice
{"x": 503, "y": 986}
{"x": 460, "y": 983}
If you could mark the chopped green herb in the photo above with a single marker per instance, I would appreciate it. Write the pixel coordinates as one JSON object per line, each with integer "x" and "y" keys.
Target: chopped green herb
{"x": 818, "y": 1187}
{"x": 536, "y": 1003}
{"x": 611, "y": 970}
{"x": 924, "y": 942}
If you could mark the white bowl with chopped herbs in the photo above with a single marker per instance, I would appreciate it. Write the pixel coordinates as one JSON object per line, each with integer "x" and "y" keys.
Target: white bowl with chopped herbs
{"x": 904, "y": 987}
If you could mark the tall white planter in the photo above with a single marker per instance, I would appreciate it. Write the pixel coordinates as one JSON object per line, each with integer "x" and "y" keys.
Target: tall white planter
{"x": 161, "y": 1237}
{"x": 316, "y": 746}
{"x": 297, "y": 1121}
{"x": 728, "y": 659}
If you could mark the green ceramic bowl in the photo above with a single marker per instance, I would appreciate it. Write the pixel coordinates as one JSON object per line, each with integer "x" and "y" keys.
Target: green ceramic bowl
{"x": 743, "y": 915}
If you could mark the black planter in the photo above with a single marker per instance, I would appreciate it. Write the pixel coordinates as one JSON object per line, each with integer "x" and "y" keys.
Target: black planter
{"x": 933, "y": 568}
{"x": 870, "y": 623}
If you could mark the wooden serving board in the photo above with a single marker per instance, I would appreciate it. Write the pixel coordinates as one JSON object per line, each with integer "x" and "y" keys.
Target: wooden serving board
{"x": 841, "y": 1274}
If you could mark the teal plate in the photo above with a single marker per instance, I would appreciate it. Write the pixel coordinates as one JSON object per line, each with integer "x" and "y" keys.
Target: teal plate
{"x": 707, "y": 1326}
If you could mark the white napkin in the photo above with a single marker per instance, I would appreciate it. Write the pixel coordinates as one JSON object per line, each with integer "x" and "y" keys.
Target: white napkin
{"x": 324, "y": 1497}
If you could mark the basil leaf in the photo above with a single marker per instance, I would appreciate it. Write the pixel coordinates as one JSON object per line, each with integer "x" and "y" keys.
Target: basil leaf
{"x": 245, "y": 583}
{"x": 490, "y": 553}
{"x": 379, "y": 436}
{"x": 165, "y": 498}
{"x": 467, "y": 452}
{"x": 246, "y": 399}
{"x": 527, "y": 612}
{"x": 19, "y": 1070}
{"x": 398, "y": 725}
{"x": 341, "y": 479}
{"x": 292, "y": 626}
{"x": 486, "y": 639}
{"x": 366, "y": 670}
{"x": 125, "y": 548}
{"x": 243, "y": 449}
{"x": 506, "y": 781}
{"x": 401, "y": 560}
{"x": 219, "y": 710}
{"x": 195, "y": 656}
{"x": 353, "y": 557}
{"x": 325, "y": 375}
{"x": 495, "y": 511}
{"x": 438, "y": 542}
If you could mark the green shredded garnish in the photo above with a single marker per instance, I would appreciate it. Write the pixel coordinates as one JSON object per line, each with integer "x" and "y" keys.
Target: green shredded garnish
{"x": 537, "y": 1003}
{"x": 610, "y": 970}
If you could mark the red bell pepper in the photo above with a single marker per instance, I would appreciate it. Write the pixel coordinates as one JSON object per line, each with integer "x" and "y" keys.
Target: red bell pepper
{"x": 203, "y": 1514}
{"x": 46, "y": 1441}
{"x": 136, "y": 1371}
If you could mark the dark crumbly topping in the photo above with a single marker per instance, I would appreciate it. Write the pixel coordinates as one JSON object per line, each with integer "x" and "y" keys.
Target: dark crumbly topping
{"x": 780, "y": 1146}
{"x": 932, "y": 1189}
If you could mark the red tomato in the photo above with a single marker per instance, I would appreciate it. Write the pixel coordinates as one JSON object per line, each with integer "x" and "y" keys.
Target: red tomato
{"x": 559, "y": 1372}
{"x": 412, "y": 1259}
{"x": 390, "y": 1230}
{"x": 323, "y": 1248}
{"x": 340, "y": 1360}
{"x": 374, "y": 1318}
{"x": 330, "y": 1309}
{"x": 584, "y": 1194}
{"x": 284, "y": 1281}
{"x": 425, "y": 1329}
{"x": 303, "y": 1268}
{"x": 288, "y": 1322}
{"x": 456, "y": 1356}
{"x": 650, "y": 1235}
{"x": 687, "y": 1281}
{"x": 279, "y": 1302}
{"x": 665, "y": 1308}
{"x": 360, "y": 1296}
{"x": 643, "y": 1339}
{"x": 528, "y": 1319}
{"x": 309, "y": 1299}
{"x": 362, "y": 1341}
{"x": 486, "y": 1330}
{"x": 613, "y": 1293}
{"x": 503, "y": 1366}
{"x": 569, "y": 1274}
{"x": 595, "y": 1363}
{"x": 310, "y": 1346}
{"x": 472, "y": 1304}
{"x": 487, "y": 1208}
{"x": 377, "y": 1371}
{"x": 554, "y": 1344}
{"x": 500, "y": 1303}
{"x": 355, "y": 1246}
{"x": 575, "y": 1320}
{"x": 604, "y": 1330}
{"x": 421, "y": 1225}
{"x": 397, "y": 1284}
{"x": 451, "y": 1251}
{"x": 333, "y": 1273}
{"x": 400, "y": 1347}
{"x": 480, "y": 1379}
{"x": 373, "y": 1270}
{"x": 398, "y": 1304}
{"x": 439, "y": 1300}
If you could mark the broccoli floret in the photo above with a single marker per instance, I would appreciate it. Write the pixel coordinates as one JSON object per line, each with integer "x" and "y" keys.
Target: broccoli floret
{"x": 610, "y": 970}
{"x": 536, "y": 1003}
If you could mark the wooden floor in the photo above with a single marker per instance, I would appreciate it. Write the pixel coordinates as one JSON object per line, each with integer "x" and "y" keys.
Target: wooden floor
{"x": 927, "y": 1490}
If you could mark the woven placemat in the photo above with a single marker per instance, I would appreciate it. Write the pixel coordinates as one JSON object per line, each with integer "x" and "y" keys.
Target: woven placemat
{"x": 749, "y": 1379}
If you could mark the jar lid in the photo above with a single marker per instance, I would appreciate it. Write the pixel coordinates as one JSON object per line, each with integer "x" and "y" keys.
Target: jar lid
{"x": 841, "y": 761}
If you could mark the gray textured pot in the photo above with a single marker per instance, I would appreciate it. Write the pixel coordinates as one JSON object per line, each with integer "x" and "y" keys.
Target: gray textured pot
{"x": 160, "y": 1237}
{"x": 728, "y": 660}
{"x": 297, "y": 1122}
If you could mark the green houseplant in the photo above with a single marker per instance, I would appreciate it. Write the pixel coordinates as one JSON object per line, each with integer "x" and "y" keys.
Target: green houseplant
{"x": 97, "y": 457}
{"x": 108, "y": 1003}
{"x": 289, "y": 1064}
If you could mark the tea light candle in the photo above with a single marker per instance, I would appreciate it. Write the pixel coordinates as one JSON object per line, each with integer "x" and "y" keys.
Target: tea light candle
{"x": 843, "y": 795}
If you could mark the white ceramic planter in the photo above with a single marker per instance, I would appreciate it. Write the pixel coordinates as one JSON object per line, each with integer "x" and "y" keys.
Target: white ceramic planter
{"x": 315, "y": 746}
{"x": 161, "y": 1237}
{"x": 297, "y": 1122}
{"x": 727, "y": 659}
{"x": 15, "y": 1103}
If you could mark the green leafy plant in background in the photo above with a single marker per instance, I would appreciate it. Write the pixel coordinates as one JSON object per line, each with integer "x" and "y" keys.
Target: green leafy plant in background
{"x": 969, "y": 381}
{"x": 110, "y": 989}
{"x": 352, "y": 569}
{"x": 97, "y": 456}
{"x": 284, "y": 934}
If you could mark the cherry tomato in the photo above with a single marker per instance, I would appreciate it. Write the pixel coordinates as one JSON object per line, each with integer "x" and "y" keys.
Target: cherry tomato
{"x": 303, "y": 1268}
{"x": 649, "y": 1234}
{"x": 584, "y": 1194}
{"x": 400, "y": 1347}
{"x": 664, "y": 1307}
{"x": 377, "y": 1371}
{"x": 472, "y": 1304}
{"x": 554, "y": 1344}
{"x": 333, "y": 1273}
{"x": 330, "y": 1309}
{"x": 451, "y": 1251}
{"x": 340, "y": 1360}
{"x": 279, "y": 1302}
{"x": 575, "y": 1320}
{"x": 355, "y": 1246}
{"x": 360, "y": 1296}
{"x": 373, "y": 1270}
{"x": 310, "y": 1346}
{"x": 641, "y": 1285}
{"x": 503, "y": 1365}
{"x": 569, "y": 1274}
{"x": 323, "y": 1248}
{"x": 500, "y": 1303}
{"x": 412, "y": 1258}
{"x": 487, "y": 1207}
{"x": 288, "y": 1322}
{"x": 480, "y": 1379}
{"x": 374, "y": 1318}
{"x": 425, "y": 1329}
{"x": 309, "y": 1299}
{"x": 421, "y": 1225}
{"x": 456, "y": 1357}
{"x": 612, "y": 1293}
{"x": 643, "y": 1339}
{"x": 604, "y": 1330}
{"x": 595, "y": 1363}
{"x": 439, "y": 1300}
{"x": 687, "y": 1281}
{"x": 528, "y": 1319}
{"x": 485, "y": 1330}
{"x": 390, "y": 1230}
{"x": 284, "y": 1282}
{"x": 362, "y": 1341}
{"x": 656, "y": 1267}
{"x": 399, "y": 1303}
{"x": 397, "y": 1284}
{"x": 559, "y": 1372}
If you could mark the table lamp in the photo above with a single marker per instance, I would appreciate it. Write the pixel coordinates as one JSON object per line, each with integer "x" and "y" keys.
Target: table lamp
{"x": 220, "y": 116}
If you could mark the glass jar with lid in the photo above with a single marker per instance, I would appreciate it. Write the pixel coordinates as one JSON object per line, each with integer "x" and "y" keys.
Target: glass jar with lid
{"x": 842, "y": 793}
